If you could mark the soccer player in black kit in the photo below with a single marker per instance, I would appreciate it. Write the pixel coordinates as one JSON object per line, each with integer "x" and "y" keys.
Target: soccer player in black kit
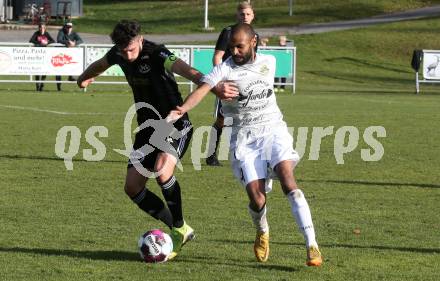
{"x": 149, "y": 68}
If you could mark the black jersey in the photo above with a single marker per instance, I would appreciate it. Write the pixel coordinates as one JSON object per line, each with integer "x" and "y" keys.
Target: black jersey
{"x": 223, "y": 41}
{"x": 150, "y": 81}
{"x": 41, "y": 40}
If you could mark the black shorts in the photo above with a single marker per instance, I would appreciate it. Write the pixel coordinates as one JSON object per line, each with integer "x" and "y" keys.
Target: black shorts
{"x": 147, "y": 152}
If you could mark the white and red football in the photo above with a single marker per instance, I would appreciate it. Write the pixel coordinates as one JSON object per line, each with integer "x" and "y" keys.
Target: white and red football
{"x": 155, "y": 246}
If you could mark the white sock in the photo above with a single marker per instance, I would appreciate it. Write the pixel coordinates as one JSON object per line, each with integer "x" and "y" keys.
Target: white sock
{"x": 259, "y": 219}
{"x": 301, "y": 211}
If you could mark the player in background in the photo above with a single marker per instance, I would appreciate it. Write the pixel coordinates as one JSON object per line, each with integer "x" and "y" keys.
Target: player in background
{"x": 282, "y": 42}
{"x": 149, "y": 68}
{"x": 260, "y": 139}
{"x": 244, "y": 14}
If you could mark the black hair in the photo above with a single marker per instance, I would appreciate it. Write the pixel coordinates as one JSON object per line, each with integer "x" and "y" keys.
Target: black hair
{"x": 124, "y": 32}
{"x": 243, "y": 27}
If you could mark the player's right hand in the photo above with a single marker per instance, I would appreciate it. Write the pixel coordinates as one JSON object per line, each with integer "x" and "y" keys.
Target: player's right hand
{"x": 175, "y": 114}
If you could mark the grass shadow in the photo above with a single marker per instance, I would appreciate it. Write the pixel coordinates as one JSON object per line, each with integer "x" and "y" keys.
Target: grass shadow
{"x": 360, "y": 78}
{"x": 386, "y": 248}
{"x": 134, "y": 257}
{"x": 366, "y": 63}
{"x": 93, "y": 255}
{"x": 234, "y": 263}
{"x": 372, "y": 247}
{"x": 32, "y": 157}
{"x": 370, "y": 91}
{"x": 358, "y": 182}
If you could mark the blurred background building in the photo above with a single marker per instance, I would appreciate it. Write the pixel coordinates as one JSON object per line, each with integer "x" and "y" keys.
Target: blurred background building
{"x": 17, "y": 10}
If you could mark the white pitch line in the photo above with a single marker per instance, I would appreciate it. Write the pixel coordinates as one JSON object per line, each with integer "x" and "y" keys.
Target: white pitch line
{"x": 56, "y": 112}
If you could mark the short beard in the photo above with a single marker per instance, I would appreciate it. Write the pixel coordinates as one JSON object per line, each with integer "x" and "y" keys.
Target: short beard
{"x": 245, "y": 60}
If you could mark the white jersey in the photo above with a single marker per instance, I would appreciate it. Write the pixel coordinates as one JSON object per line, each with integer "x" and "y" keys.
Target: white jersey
{"x": 260, "y": 139}
{"x": 256, "y": 105}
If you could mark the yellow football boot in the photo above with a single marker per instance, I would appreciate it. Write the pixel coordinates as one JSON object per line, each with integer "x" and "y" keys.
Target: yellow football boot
{"x": 314, "y": 257}
{"x": 261, "y": 246}
{"x": 180, "y": 236}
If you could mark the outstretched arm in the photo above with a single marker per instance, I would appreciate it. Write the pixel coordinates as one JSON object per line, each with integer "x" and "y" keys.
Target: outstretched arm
{"x": 226, "y": 90}
{"x": 190, "y": 102}
{"x": 183, "y": 69}
{"x": 94, "y": 70}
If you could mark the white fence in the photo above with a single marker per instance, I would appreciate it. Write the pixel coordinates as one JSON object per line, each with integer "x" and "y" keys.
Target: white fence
{"x": 22, "y": 59}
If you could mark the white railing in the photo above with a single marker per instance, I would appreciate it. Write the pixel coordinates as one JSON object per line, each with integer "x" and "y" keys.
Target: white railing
{"x": 197, "y": 56}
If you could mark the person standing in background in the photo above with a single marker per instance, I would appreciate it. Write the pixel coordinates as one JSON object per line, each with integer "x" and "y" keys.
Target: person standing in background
{"x": 264, "y": 41}
{"x": 68, "y": 38}
{"x": 281, "y": 88}
{"x": 41, "y": 38}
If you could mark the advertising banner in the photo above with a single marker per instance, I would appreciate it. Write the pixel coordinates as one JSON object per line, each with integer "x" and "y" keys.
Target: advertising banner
{"x": 182, "y": 53}
{"x": 431, "y": 64}
{"x": 284, "y": 60}
{"x": 41, "y": 61}
{"x": 94, "y": 53}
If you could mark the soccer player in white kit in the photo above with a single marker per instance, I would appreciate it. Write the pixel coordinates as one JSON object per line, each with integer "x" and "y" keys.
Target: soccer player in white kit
{"x": 260, "y": 142}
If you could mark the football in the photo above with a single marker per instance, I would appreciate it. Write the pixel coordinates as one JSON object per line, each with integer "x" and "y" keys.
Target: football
{"x": 155, "y": 246}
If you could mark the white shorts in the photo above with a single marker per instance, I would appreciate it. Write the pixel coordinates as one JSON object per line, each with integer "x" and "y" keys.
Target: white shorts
{"x": 255, "y": 153}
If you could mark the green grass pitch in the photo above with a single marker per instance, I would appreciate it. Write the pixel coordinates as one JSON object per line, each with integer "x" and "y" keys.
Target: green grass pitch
{"x": 79, "y": 225}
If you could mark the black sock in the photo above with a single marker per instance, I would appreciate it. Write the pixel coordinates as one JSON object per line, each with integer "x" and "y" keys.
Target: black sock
{"x": 219, "y": 134}
{"x": 154, "y": 206}
{"x": 171, "y": 193}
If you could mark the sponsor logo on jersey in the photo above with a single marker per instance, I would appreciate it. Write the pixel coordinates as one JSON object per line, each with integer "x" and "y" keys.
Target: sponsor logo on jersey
{"x": 255, "y": 84}
{"x": 264, "y": 69}
{"x": 144, "y": 68}
{"x": 145, "y": 57}
{"x": 256, "y": 90}
{"x": 164, "y": 55}
{"x": 252, "y": 96}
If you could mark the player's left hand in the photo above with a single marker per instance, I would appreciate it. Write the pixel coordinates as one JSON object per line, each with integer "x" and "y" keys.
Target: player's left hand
{"x": 226, "y": 90}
